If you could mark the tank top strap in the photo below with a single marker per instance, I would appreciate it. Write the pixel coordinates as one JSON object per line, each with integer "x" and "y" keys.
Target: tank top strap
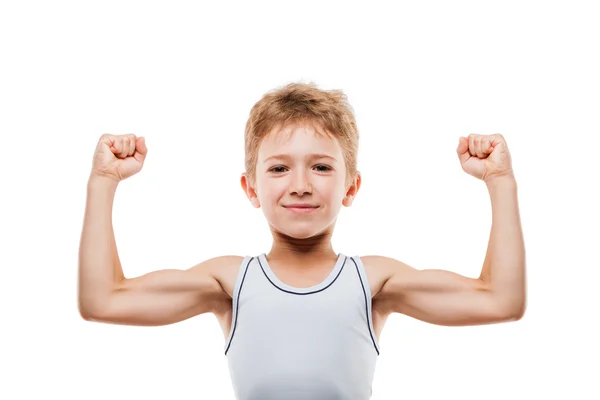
{"x": 364, "y": 281}
{"x": 235, "y": 300}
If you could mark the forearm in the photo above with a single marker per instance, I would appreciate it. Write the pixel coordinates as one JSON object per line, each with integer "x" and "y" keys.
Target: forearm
{"x": 99, "y": 265}
{"x": 504, "y": 265}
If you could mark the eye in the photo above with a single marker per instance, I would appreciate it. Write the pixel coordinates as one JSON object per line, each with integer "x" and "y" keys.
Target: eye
{"x": 278, "y": 168}
{"x": 324, "y": 166}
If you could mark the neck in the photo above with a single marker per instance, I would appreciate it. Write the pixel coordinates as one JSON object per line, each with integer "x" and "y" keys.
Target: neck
{"x": 299, "y": 251}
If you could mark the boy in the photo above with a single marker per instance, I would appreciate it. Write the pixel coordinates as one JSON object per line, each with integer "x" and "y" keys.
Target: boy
{"x": 301, "y": 322}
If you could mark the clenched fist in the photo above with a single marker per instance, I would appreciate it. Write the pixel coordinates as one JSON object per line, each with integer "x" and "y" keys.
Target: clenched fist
{"x": 484, "y": 156}
{"x": 119, "y": 156}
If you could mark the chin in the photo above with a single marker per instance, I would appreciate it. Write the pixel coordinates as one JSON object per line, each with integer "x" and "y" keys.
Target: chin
{"x": 298, "y": 233}
{"x": 302, "y": 235}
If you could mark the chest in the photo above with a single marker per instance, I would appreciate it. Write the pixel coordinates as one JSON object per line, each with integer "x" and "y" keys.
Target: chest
{"x": 376, "y": 278}
{"x": 305, "y": 278}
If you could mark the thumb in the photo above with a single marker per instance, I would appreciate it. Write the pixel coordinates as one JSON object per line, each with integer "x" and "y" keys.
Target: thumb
{"x": 140, "y": 149}
{"x": 462, "y": 149}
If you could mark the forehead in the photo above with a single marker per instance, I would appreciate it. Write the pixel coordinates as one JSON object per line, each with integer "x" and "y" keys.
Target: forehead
{"x": 299, "y": 139}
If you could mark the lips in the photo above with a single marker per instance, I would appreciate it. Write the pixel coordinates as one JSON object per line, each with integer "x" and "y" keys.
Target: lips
{"x": 301, "y": 209}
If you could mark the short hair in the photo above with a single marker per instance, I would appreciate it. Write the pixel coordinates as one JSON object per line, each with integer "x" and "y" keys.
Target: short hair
{"x": 302, "y": 103}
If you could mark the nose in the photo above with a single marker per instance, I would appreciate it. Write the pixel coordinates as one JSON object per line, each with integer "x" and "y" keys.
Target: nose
{"x": 300, "y": 184}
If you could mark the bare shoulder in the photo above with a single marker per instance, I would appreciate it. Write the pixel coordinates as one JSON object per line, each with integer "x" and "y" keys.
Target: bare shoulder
{"x": 384, "y": 263}
{"x": 381, "y": 269}
{"x": 224, "y": 270}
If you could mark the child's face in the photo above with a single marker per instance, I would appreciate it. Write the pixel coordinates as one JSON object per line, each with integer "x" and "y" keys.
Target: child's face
{"x": 300, "y": 178}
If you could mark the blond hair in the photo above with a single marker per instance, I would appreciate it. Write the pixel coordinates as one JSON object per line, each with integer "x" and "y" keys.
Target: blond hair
{"x": 302, "y": 103}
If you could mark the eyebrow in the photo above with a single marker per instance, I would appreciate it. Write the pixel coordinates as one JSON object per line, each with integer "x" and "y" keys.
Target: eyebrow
{"x": 287, "y": 156}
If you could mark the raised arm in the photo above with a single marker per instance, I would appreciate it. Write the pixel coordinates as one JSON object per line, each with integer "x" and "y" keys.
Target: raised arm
{"x": 157, "y": 298}
{"x": 104, "y": 294}
{"x": 447, "y": 298}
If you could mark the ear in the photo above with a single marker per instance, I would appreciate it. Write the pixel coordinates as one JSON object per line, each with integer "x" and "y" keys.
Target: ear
{"x": 352, "y": 190}
{"x": 249, "y": 190}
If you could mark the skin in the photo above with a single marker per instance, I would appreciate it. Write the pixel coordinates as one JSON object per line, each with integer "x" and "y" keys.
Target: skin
{"x": 433, "y": 295}
{"x": 300, "y": 239}
{"x": 301, "y": 246}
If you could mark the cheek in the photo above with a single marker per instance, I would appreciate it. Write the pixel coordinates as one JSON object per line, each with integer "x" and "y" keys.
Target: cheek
{"x": 270, "y": 195}
{"x": 331, "y": 194}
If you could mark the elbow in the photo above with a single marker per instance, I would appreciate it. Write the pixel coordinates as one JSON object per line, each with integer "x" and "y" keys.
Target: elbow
{"x": 87, "y": 317}
{"x": 83, "y": 308}
{"x": 513, "y": 307}
{"x": 515, "y": 313}
{"x": 92, "y": 316}
{"x": 86, "y": 313}
{"x": 91, "y": 311}
{"x": 93, "y": 305}
{"x": 520, "y": 313}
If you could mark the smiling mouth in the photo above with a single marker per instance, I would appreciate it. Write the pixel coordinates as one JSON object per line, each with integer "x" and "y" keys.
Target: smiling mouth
{"x": 301, "y": 209}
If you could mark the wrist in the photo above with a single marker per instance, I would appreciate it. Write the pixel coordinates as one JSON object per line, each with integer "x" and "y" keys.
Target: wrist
{"x": 505, "y": 177}
{"x": 97, "y": 180}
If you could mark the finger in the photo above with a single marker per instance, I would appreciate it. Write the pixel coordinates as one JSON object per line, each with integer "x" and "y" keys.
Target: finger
{"x": 109, "y": 140}
{"x": 478, "y": 149}
{"x": 472, "y": 145}
{"x": 119, "y": 146}
{"x": 126, "y": 145}
{"x": 116, "y": 145}
{"x": 131, "y": 149}
{"x": 486, "y": 145}
{"x": 123, "y": 146}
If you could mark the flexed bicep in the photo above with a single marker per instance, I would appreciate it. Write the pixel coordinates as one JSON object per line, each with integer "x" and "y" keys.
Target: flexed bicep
{"x": 439, "y": 297}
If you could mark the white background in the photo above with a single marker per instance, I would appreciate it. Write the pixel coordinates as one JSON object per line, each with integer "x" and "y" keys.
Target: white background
{"x": 185, "y": 75}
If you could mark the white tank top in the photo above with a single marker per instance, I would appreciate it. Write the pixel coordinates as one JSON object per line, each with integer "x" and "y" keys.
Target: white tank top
{"x": 291, "y": 343}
